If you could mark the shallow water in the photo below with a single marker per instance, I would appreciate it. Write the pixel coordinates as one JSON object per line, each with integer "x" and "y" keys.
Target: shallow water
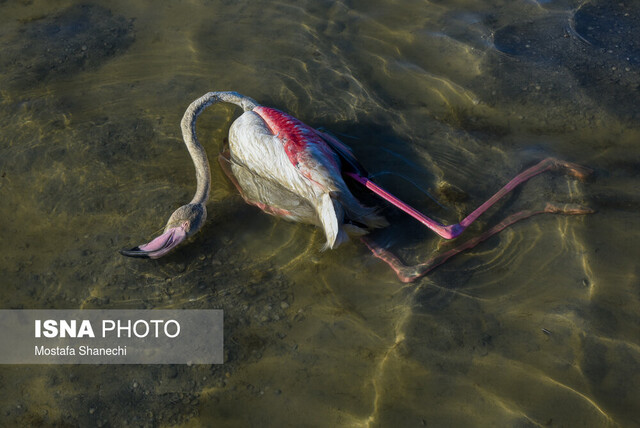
{"x": 443, "y": 101}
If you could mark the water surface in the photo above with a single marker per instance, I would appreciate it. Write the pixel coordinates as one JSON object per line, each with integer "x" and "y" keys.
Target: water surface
{"x": 443, "y": 101}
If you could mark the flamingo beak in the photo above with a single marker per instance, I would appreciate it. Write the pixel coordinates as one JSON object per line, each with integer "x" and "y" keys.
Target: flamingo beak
{"x": 160, "y": 245}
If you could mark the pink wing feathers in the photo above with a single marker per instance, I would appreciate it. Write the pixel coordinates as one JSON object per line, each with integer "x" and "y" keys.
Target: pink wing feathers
{"x": 309, "y": 153}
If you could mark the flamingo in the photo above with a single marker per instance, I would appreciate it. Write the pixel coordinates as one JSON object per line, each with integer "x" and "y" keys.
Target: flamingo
{"x": 291, "y": 170}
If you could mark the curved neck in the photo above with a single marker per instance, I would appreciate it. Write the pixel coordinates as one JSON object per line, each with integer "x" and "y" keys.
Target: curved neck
{"x": 197, "y": 152}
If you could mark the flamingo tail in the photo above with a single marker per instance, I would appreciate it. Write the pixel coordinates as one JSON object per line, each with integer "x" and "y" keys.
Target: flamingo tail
{"x": 331, "y": 215}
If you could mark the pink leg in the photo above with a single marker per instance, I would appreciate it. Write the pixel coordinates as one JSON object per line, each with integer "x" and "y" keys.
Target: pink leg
{"x": 411, "y": 273}
{"x": 452, "y": 231}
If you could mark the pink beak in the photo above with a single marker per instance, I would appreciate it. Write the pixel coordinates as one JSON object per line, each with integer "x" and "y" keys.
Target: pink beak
{"x": 159, "y": 246}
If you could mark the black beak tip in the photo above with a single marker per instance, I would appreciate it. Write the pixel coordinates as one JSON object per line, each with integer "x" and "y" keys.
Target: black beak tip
{"x": 135, "y": 252}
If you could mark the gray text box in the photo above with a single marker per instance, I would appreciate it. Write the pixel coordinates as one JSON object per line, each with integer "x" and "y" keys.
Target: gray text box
{"x": 111, "y": 336}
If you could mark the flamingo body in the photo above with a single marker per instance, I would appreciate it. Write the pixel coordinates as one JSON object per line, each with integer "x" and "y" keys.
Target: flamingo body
{"x": 287, "y": 169}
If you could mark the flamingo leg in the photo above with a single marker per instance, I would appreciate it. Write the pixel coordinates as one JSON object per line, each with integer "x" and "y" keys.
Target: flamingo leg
{"x": 452, "y": 231}
{"x": 411, "y": 273}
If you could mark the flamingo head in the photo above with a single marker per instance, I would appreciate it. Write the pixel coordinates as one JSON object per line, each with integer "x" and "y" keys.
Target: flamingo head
{"x": 184, "y": 222}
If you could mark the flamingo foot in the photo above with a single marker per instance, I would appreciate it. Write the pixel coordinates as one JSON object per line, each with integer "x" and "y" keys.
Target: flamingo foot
{"x": 568, "y": 209}
{"x": 578, "y": 171}
{"x": 405, "y": 273}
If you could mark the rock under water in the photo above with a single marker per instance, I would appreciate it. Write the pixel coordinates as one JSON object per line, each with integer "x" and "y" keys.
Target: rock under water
{"x": 595, "y": 44}
{"x": 78, "y": 38}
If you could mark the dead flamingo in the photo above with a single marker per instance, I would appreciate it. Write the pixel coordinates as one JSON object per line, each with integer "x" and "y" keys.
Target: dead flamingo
{"x": 291, "y": 170}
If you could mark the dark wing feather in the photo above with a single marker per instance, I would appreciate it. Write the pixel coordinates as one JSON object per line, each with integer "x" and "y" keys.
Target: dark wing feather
{"x": 349, "y": 161}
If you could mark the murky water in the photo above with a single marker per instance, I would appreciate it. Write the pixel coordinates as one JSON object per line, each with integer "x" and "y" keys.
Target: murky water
{"x": 443, "y": 101}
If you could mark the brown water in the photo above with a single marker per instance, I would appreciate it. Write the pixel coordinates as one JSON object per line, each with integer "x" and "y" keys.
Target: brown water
{"x": 443, "y": 101}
